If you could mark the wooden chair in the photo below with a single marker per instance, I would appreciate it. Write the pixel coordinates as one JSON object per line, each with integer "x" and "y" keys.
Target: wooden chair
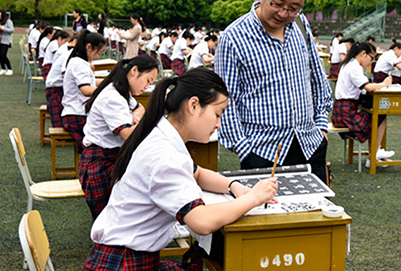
{"x": 349, "y": 150}
{"x": 32, "y": 80}
{"x": 34, "y": 242}
{"x": 44, "y": 190}
{"x": 60, "y": 137}
{"x": 179, "y": 245}
{"x": 43, "y": 116}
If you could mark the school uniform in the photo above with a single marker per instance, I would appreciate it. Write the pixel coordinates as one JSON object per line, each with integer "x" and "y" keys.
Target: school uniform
{"x": 51, "y": 49}
{"x": 41, "y": 53}
{"x": 78, "y": 73}
{"x": 141, "y": 48}
{"x": 336, "y": 59}
{"x": 350, "y": 84}
{"x": 54, "y": 86}
{"x": 177, "y": 58}
{"x": 152, "y": 46}
{"x": 109, "y": 114}
{"x": 383, "y": 67}
{"x": 154, "y": 192}
{"x": 165, "y": 51}
{"x": 197, "y": 55}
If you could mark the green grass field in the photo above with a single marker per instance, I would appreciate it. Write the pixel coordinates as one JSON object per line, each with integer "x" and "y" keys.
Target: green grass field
{"x": 373, "y": 201}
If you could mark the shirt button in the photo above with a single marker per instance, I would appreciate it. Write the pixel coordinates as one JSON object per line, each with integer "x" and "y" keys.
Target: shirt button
{"x": 294, "y": 108}
{"x": 292, "y": 88}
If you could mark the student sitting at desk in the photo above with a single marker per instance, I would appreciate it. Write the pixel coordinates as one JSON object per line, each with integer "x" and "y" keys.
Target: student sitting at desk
{"x": 338, "y": 56}
{"x": 388, "y": 61}
{"x": 112, "y": 115}
{"x": 201, "y": 53}
{"x": 79, "y": 83}
{"x": 351, "y": 83}
{"x": 156, "y": 183}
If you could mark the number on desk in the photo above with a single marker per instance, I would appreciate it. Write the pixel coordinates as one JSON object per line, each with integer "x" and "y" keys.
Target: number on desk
{"x": 288, "y": 260}
{"x": 396, "y": 104}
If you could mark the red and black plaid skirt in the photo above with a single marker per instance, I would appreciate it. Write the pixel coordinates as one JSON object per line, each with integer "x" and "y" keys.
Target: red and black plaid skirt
{"x": 334, "y": 70}
{"x": 113, "y": 44}
{"x": 40, "y": 62}
{"x": 166, "y": 61}
{"x": 141, "y": 52}
{"x": 95, "y": 167}
{"x": 153, "y": 54}
{"x": 74, "y": 124}
{"x": 54, "y": 105}
{"x": 396, "y": 80}
{"x": 45, "y": 70}
{"x": 379, "y": 77}
{"x": 345, "y": 114}
{"x": 178, "y": 66}
{"x": 111, "y": 258}
{"x": 121, "y": 47}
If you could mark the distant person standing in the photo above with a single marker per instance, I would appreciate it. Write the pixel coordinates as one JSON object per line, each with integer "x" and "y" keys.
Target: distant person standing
{"x": 6, "y": 39}
{"x": 79, "y": 21}
{"x": 133, "y": 37}
{"x": 101, "y": 25}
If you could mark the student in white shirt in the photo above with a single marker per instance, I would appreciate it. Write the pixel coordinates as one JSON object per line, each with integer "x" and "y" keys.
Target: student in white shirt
{"x": 338, "y": 55}
{"x": 386, "y": 62}
{"x": 44, "y": 39}
{"x": 91, "y": 27}
{"x": 112, "y": 115}
{"x": 181, "y": 49}
{"x": 54, "y": 82}
{"x": 79, "y": 83}
{"x": 335, "y": 41}
{"x": 201, "y": 53}
{"x": 59, "y": 38}
{"x": 351, "y": 83}
{"x": 198, "y": 35}
{"x": 154, "y": 44}
{"x": 166, "y": 48}
{"x": 156, "y": 183}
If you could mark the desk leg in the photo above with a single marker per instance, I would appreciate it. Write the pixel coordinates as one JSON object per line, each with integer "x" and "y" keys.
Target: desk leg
{"x": 373, "y": 137}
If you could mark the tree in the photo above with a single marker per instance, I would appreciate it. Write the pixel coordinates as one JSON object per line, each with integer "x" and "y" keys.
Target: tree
{"x": 227, "y": 10}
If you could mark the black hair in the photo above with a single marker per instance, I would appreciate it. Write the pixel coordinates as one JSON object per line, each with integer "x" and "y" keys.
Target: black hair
{"x": 368, "y": 38}
{"x": 86, "y": 37}
{"x": 79, "y": 11}
{"x": 48, "y": 30}
{"x": 57, "y": 34}
{"x": 187, "y": 35}
{"x": 139, "y": 19}
{"x": 211, "y": 37}
{"x": 102, "y": 16}
{"x": 173, "y": 34}
{"x": 339, "y": 35}
{"x": 351, "y": 40}
{"x": 395, "y": 45}
{"x": 356, "y": 48}
{"x": 118, "y": 76}
{"x": 4, "y": 16}
{"x": 199, "y": 82}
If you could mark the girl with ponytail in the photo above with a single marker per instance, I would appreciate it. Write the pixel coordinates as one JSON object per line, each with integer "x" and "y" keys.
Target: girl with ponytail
{"x": 350, "y": 85}
{"x": 59, "y": 38}
{"x": 156, "y": 183}
{"x": 112, "y": 115}
{"x": 79, "y": 83}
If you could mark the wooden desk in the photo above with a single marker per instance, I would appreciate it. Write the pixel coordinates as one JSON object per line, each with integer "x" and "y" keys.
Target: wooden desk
{"x": 385, "y": 102}
{"x": 205, "y": 155}
{"x": 104, "y": 64}
{"x": 325, "y": 59}
{"x": 297, "y": 241}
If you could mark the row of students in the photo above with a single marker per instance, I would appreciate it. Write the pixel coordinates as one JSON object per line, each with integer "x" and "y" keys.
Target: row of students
{"x": 351, "y": 83}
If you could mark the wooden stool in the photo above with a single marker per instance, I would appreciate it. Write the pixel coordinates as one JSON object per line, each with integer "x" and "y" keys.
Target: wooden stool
{"x": 59, "y": 137}
{"x": 43, "y": 116}
{"x": 350, "y": 150}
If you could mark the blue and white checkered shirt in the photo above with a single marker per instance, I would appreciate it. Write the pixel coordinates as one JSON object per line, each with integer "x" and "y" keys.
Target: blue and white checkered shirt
{"x": 279, "y": 89}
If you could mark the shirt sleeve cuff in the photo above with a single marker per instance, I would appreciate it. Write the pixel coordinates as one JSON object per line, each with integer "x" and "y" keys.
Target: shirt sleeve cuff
{"x": 185, "y": 210}
{"x": 119, "y": 128}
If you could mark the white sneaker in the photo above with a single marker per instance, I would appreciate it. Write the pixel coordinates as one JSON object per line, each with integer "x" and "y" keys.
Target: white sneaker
{"x": 382, "y": 154}
{"x": 9, "y": 72}
{"x": 2, "y": 72}
{"x": 367, "y": 165}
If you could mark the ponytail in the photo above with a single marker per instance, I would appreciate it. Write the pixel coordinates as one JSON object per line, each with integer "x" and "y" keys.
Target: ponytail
{"x": 198, "y": 82}
{"x": 356, "y": 48}
{"x": 86, "y": 37}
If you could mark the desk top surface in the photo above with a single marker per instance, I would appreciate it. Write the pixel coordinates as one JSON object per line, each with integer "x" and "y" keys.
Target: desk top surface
{"x": 285, "y": 221}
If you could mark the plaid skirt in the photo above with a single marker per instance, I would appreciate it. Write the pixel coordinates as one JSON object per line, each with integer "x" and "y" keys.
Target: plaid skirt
{"x": 166, "y": 61}
{"x": 334, "y": 70}
{"x": 113, "y": 44}
{"x": 153, "y": 54}
{"x": 111, "y": 258}
{"x": 379, "y": 77}
{"x": 95, "y": 167}
{"x": 45, "y": 70}
{"x": 345, "y": 114}
{"x": 75, "y": 125}
{"x": 40, "y": 62}
{"x": 141, "y": 52}
{"x": 54, "y": 105}
{"x": 178, "y": 66}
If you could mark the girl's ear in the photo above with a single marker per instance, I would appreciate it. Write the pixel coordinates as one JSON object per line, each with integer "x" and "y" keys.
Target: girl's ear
{"x": 193, "y": 104}
{"x": 89, "y": 47}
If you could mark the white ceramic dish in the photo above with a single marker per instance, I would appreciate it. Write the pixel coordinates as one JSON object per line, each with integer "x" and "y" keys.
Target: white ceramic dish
{"x": 333, "y": 211}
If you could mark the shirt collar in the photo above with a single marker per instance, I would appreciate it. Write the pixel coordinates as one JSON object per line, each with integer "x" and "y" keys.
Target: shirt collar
{"x": 170, "y": 132}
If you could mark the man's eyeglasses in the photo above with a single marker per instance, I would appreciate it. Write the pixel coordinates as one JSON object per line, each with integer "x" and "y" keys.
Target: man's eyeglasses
{"x": 291, "y": 12}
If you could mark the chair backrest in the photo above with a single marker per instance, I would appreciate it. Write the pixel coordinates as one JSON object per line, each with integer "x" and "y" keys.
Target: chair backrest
{"x": 35, "y": 61}
{"x": 19, "y": 150}
{"x": 159, "y": 65}
{"x": 22, "y": 46}
{"x": 27, "y": 66}
{"x": 34, "y": 242}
